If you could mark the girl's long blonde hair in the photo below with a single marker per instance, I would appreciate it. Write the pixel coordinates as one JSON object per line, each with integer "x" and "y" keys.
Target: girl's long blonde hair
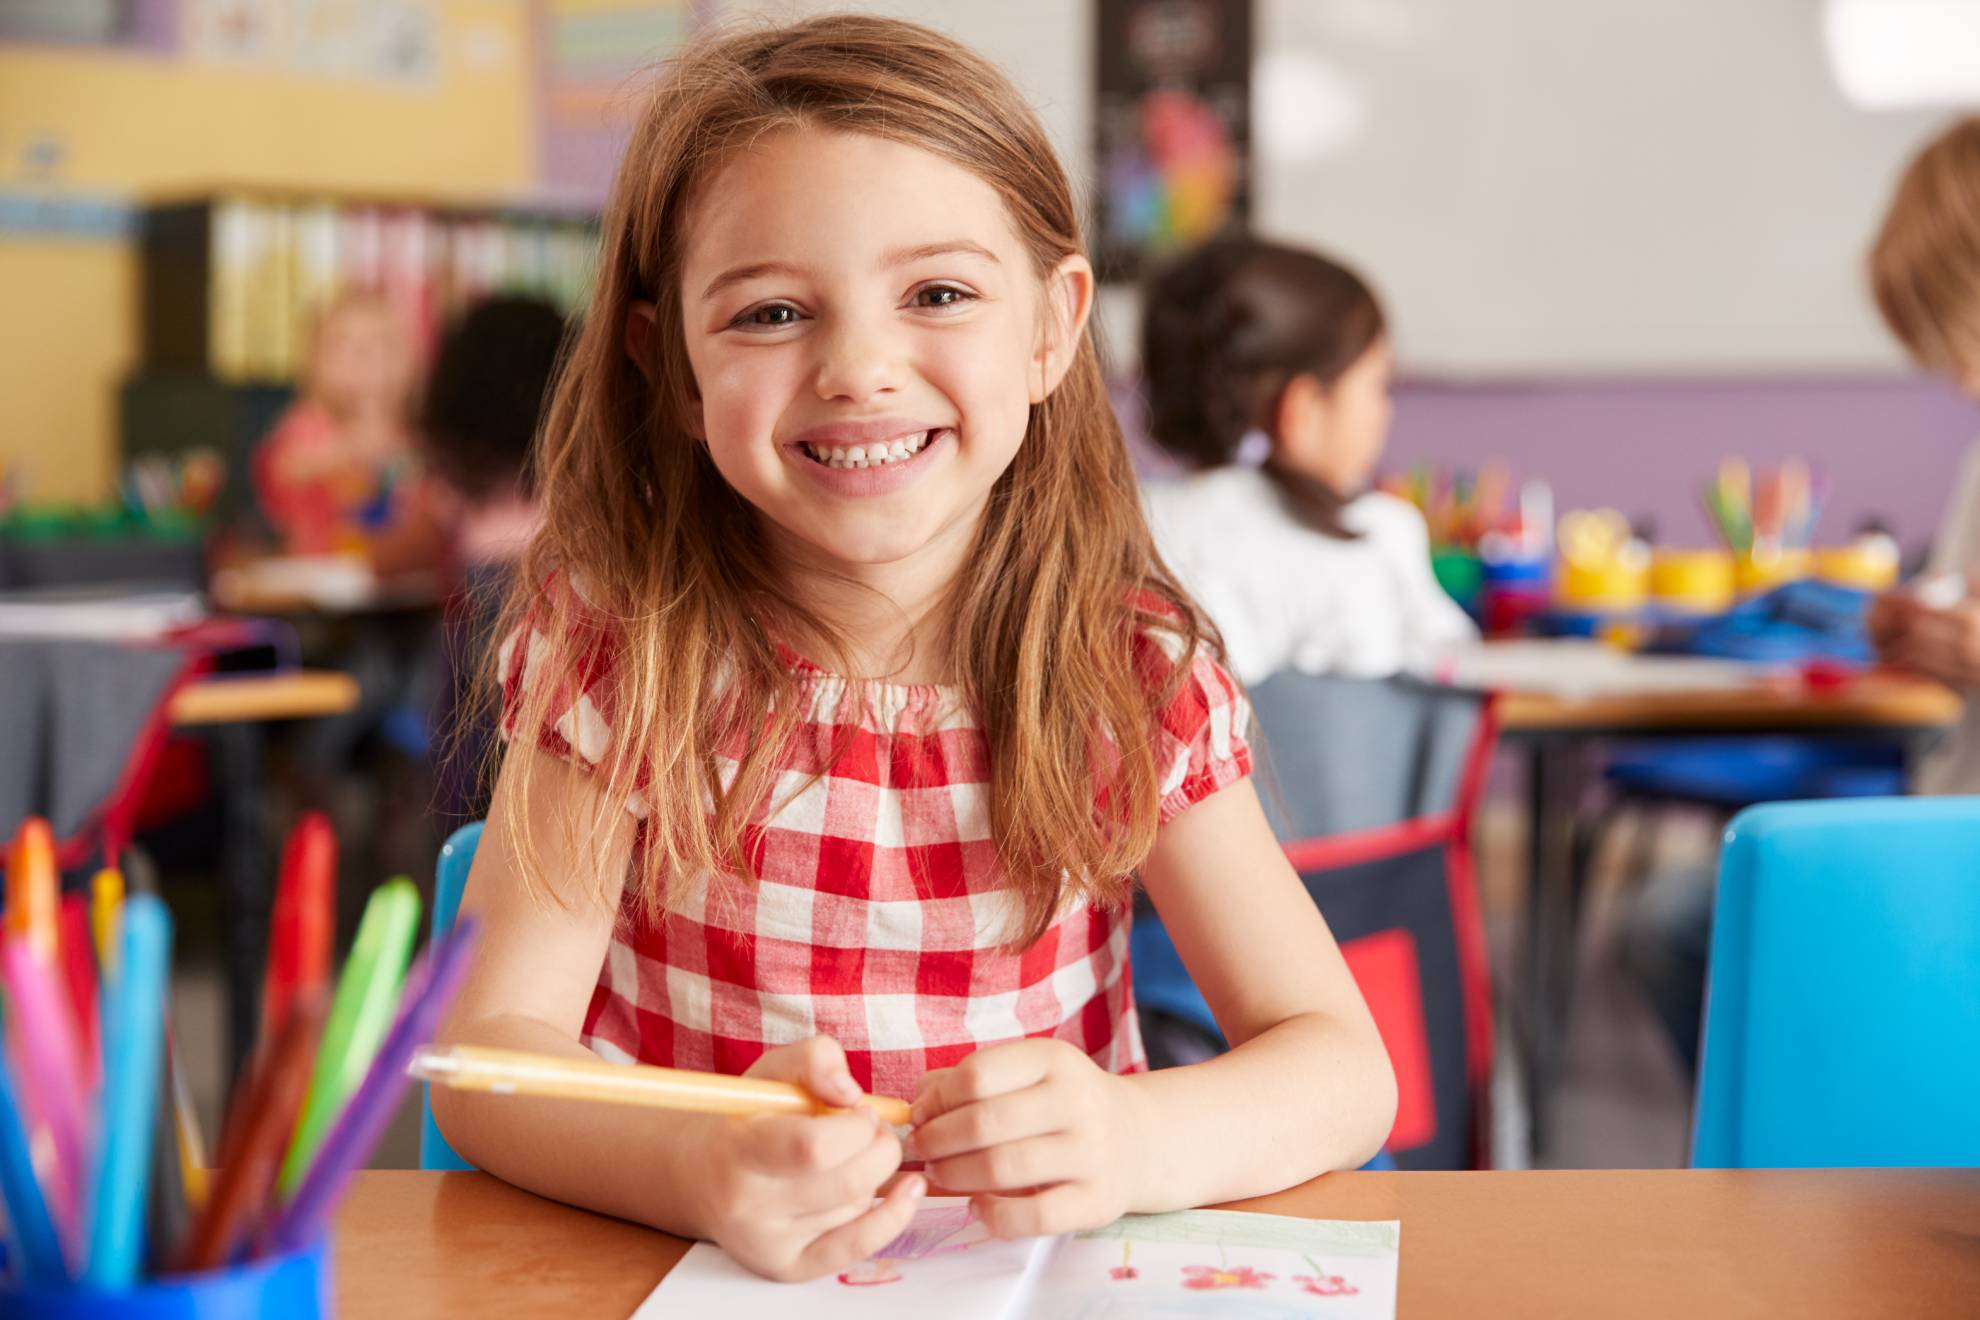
{"x": 674, "y": 573}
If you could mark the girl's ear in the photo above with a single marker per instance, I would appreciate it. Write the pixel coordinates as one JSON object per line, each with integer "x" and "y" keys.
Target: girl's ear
{"x": 640, "y": 319}
{"x": 1068, "y": 302}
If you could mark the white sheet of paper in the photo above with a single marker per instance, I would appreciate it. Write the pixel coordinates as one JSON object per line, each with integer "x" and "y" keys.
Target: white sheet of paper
{"x": 1200, "y": 1263}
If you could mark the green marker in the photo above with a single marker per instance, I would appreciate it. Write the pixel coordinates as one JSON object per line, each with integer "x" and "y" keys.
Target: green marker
{"x": 360, "y": 1015}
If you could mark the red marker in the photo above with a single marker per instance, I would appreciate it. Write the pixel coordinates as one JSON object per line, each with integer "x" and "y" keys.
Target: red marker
{"x": 304, "y": 926}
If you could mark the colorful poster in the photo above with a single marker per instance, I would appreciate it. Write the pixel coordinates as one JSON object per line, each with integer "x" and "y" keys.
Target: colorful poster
{"x": 1173, "y": 126}
{"x": 594, "y": 53}
{"x": 380, "y": 41}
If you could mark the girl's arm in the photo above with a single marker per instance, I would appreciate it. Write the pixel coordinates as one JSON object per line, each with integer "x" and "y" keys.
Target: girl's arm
{"x": 789, "y": 1197}
{"x": 1049, "y": 1142}
{"x": 529, "y": 988}
{"x": 1307, "y": 1085}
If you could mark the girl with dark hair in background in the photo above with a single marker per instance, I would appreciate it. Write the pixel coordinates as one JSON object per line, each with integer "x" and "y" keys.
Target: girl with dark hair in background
{"x": 1268, "y": 373}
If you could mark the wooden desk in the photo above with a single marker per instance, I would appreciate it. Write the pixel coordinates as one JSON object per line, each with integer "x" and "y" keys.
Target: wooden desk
{"x": 1558, "y": 733}
{"x": 300, "y": 694}
{"x": 1877, "y": 701}
{"x": 1698, "y": 1244}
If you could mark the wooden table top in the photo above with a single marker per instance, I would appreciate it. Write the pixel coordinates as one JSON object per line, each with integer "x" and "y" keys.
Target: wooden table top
{"x": 1880, "y": 700}
{"x": 296, "y": 694}
{"x": 1619, "y": 1244}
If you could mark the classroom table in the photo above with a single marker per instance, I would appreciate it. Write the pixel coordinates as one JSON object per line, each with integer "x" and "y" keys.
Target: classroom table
{"x": 233, "y": 698}
{"x": 1559, "y": 736}
{"x": 1617, "y": 1244}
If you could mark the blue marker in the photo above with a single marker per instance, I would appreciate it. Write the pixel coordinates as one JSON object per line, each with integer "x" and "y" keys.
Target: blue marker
{"x": 34, "y": 1232}
{"x": 133, "y": 1046}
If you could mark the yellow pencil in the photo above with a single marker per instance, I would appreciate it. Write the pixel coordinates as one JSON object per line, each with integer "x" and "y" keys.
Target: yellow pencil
{"x": 513, "y": 1072}
{"x": 106, "y": 899}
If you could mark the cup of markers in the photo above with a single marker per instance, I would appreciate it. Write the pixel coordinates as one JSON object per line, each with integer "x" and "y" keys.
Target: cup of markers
{"x": 112, "y": 1208}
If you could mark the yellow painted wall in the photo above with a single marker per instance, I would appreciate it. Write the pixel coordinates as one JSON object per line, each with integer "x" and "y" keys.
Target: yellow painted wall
{"x": 145, "y": 126}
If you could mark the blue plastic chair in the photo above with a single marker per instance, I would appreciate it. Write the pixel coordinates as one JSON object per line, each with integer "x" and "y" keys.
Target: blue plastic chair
{"x": 449, "y": 879}
{"x": 1842, "y": 1012}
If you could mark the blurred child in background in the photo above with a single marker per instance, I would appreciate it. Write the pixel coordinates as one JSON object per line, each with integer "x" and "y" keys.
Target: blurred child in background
{"x": 484, "y": 399}
{"x": 1268, "y": 372}
{"x": 1925, "y": 274}
{"x": 337, "y": 464}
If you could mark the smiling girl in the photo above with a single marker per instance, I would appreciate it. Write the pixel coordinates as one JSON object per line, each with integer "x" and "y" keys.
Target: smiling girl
{"x": 847, "y": 699}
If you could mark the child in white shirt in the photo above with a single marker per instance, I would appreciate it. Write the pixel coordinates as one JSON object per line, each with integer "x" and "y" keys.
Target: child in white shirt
{"x": 1268, "y": 373}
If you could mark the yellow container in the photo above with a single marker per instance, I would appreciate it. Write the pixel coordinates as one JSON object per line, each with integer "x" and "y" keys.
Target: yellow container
{"x": 1607, "y": 586}
{"x": 1763, "y": 570}
{"x": 1692, "y": 581}
{"x": 1870, "y": 563}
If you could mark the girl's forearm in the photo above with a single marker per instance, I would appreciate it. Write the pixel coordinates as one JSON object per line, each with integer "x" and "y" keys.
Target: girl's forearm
{"x": 1308, "y": 1095}
{"x": 636, "y": 1163}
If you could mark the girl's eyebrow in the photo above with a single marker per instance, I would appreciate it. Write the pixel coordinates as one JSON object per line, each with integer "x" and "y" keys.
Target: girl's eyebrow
{"x": 945, "y": 248}
{"x": 737, "y": 274}
{"x": 897, "y": 257}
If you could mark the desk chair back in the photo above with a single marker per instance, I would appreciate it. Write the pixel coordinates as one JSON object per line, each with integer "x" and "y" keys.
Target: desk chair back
{"x": 449, "y": 880}
{"x": 1373, "y": 785}
{"x": 1842, "y": 1014}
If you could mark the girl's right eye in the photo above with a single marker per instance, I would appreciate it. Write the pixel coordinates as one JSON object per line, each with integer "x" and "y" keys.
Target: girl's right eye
{"x": 768, "y": 316}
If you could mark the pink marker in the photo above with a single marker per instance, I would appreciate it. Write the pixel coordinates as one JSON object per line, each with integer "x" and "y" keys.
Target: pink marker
{"x": 50, "y": 1078}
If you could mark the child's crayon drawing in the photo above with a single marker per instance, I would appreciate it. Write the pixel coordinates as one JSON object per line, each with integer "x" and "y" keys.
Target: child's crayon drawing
{"x": 1189, "y": 1266}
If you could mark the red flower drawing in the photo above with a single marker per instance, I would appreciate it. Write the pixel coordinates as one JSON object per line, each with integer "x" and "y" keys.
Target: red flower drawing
{"x": 1326, "y": 1285}
{"x": 1205, "y": 1277}
{"x": 1124, "y": 1272}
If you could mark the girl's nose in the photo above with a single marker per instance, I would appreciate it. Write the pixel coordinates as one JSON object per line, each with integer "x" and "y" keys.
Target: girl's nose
{"x": 858, "y": 362}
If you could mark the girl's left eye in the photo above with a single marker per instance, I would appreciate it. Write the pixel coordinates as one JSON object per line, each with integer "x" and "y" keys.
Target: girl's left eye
{"x": 942, "y": 295}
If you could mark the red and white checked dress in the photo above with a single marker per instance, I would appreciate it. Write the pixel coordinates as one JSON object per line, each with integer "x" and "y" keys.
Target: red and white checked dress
{"x": 880, "y": 911}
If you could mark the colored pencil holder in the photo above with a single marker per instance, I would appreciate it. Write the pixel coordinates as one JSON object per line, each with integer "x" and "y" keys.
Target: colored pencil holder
{"x": 1604, "y": 587}
{"x": 295, "y": 1286}
{"x": 1757, "y": 574}
{"x": 1459, "y": 573}
{"x": 1692, "y": 581}
{"x": 1861, "y": 564}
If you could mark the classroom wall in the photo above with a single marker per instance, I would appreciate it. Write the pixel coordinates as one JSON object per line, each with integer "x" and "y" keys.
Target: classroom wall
{"x": 131, "y": 124}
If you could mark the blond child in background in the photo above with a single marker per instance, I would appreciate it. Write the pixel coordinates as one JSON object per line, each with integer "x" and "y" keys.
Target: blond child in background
{"x": 1925, "y": 275}
{"x": 338, "y": 463}
{"x": 850, "y": 699}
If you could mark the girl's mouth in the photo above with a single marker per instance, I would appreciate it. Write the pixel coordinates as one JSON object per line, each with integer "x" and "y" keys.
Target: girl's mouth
{"x": 879, "y": 454}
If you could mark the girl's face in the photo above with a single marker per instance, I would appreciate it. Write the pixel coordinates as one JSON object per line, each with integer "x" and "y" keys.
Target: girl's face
{"x": 1336, "y": 432}
{"x": 363, "y": 360}
{"x": 868, "y": 334}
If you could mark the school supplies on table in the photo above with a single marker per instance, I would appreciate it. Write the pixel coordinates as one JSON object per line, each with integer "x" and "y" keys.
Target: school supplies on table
{"x": 258, "y": 1128}
{"x": 359, "y": 1017}
{"x": 1194, "y": 1263}
{"x": 133, "y": 1045}
{"x": 430, "y": 985}
{"x": 103, "y": 1170}
{"x": 515, "y": 1072}
{"x": 305, "y": 918}
{"x": 33, "y": 888}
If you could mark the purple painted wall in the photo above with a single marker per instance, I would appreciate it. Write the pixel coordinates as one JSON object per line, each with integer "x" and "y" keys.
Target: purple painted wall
{"x": 1889, "y": 444}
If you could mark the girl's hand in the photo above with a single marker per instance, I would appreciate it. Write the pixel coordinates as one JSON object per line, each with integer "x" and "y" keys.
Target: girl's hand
{"x": 1942, "y": 643}
{"x": 792, "y": 1198}
{"x": 1042, "y": 1138}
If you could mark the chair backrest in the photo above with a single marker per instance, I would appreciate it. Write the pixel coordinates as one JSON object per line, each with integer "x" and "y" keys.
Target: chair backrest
{"x": 1347, "y": 754}
{"x": 1842, "y": 1014}
{"x": 1387, "y": 774}
{"x": 449, "y": 879}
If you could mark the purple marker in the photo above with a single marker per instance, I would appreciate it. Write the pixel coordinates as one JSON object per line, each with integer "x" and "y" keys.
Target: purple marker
{"x": 430, "y": 986}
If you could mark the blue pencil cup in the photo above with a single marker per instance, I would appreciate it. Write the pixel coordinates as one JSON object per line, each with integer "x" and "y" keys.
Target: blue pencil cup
{"x": 295, "y": 1286}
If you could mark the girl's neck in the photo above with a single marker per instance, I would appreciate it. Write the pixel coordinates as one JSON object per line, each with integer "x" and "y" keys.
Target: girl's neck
{"x": 892, "y": 618}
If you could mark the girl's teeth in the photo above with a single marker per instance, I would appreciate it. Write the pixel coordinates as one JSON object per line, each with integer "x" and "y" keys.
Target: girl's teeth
{"x": 866, "y": 456}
